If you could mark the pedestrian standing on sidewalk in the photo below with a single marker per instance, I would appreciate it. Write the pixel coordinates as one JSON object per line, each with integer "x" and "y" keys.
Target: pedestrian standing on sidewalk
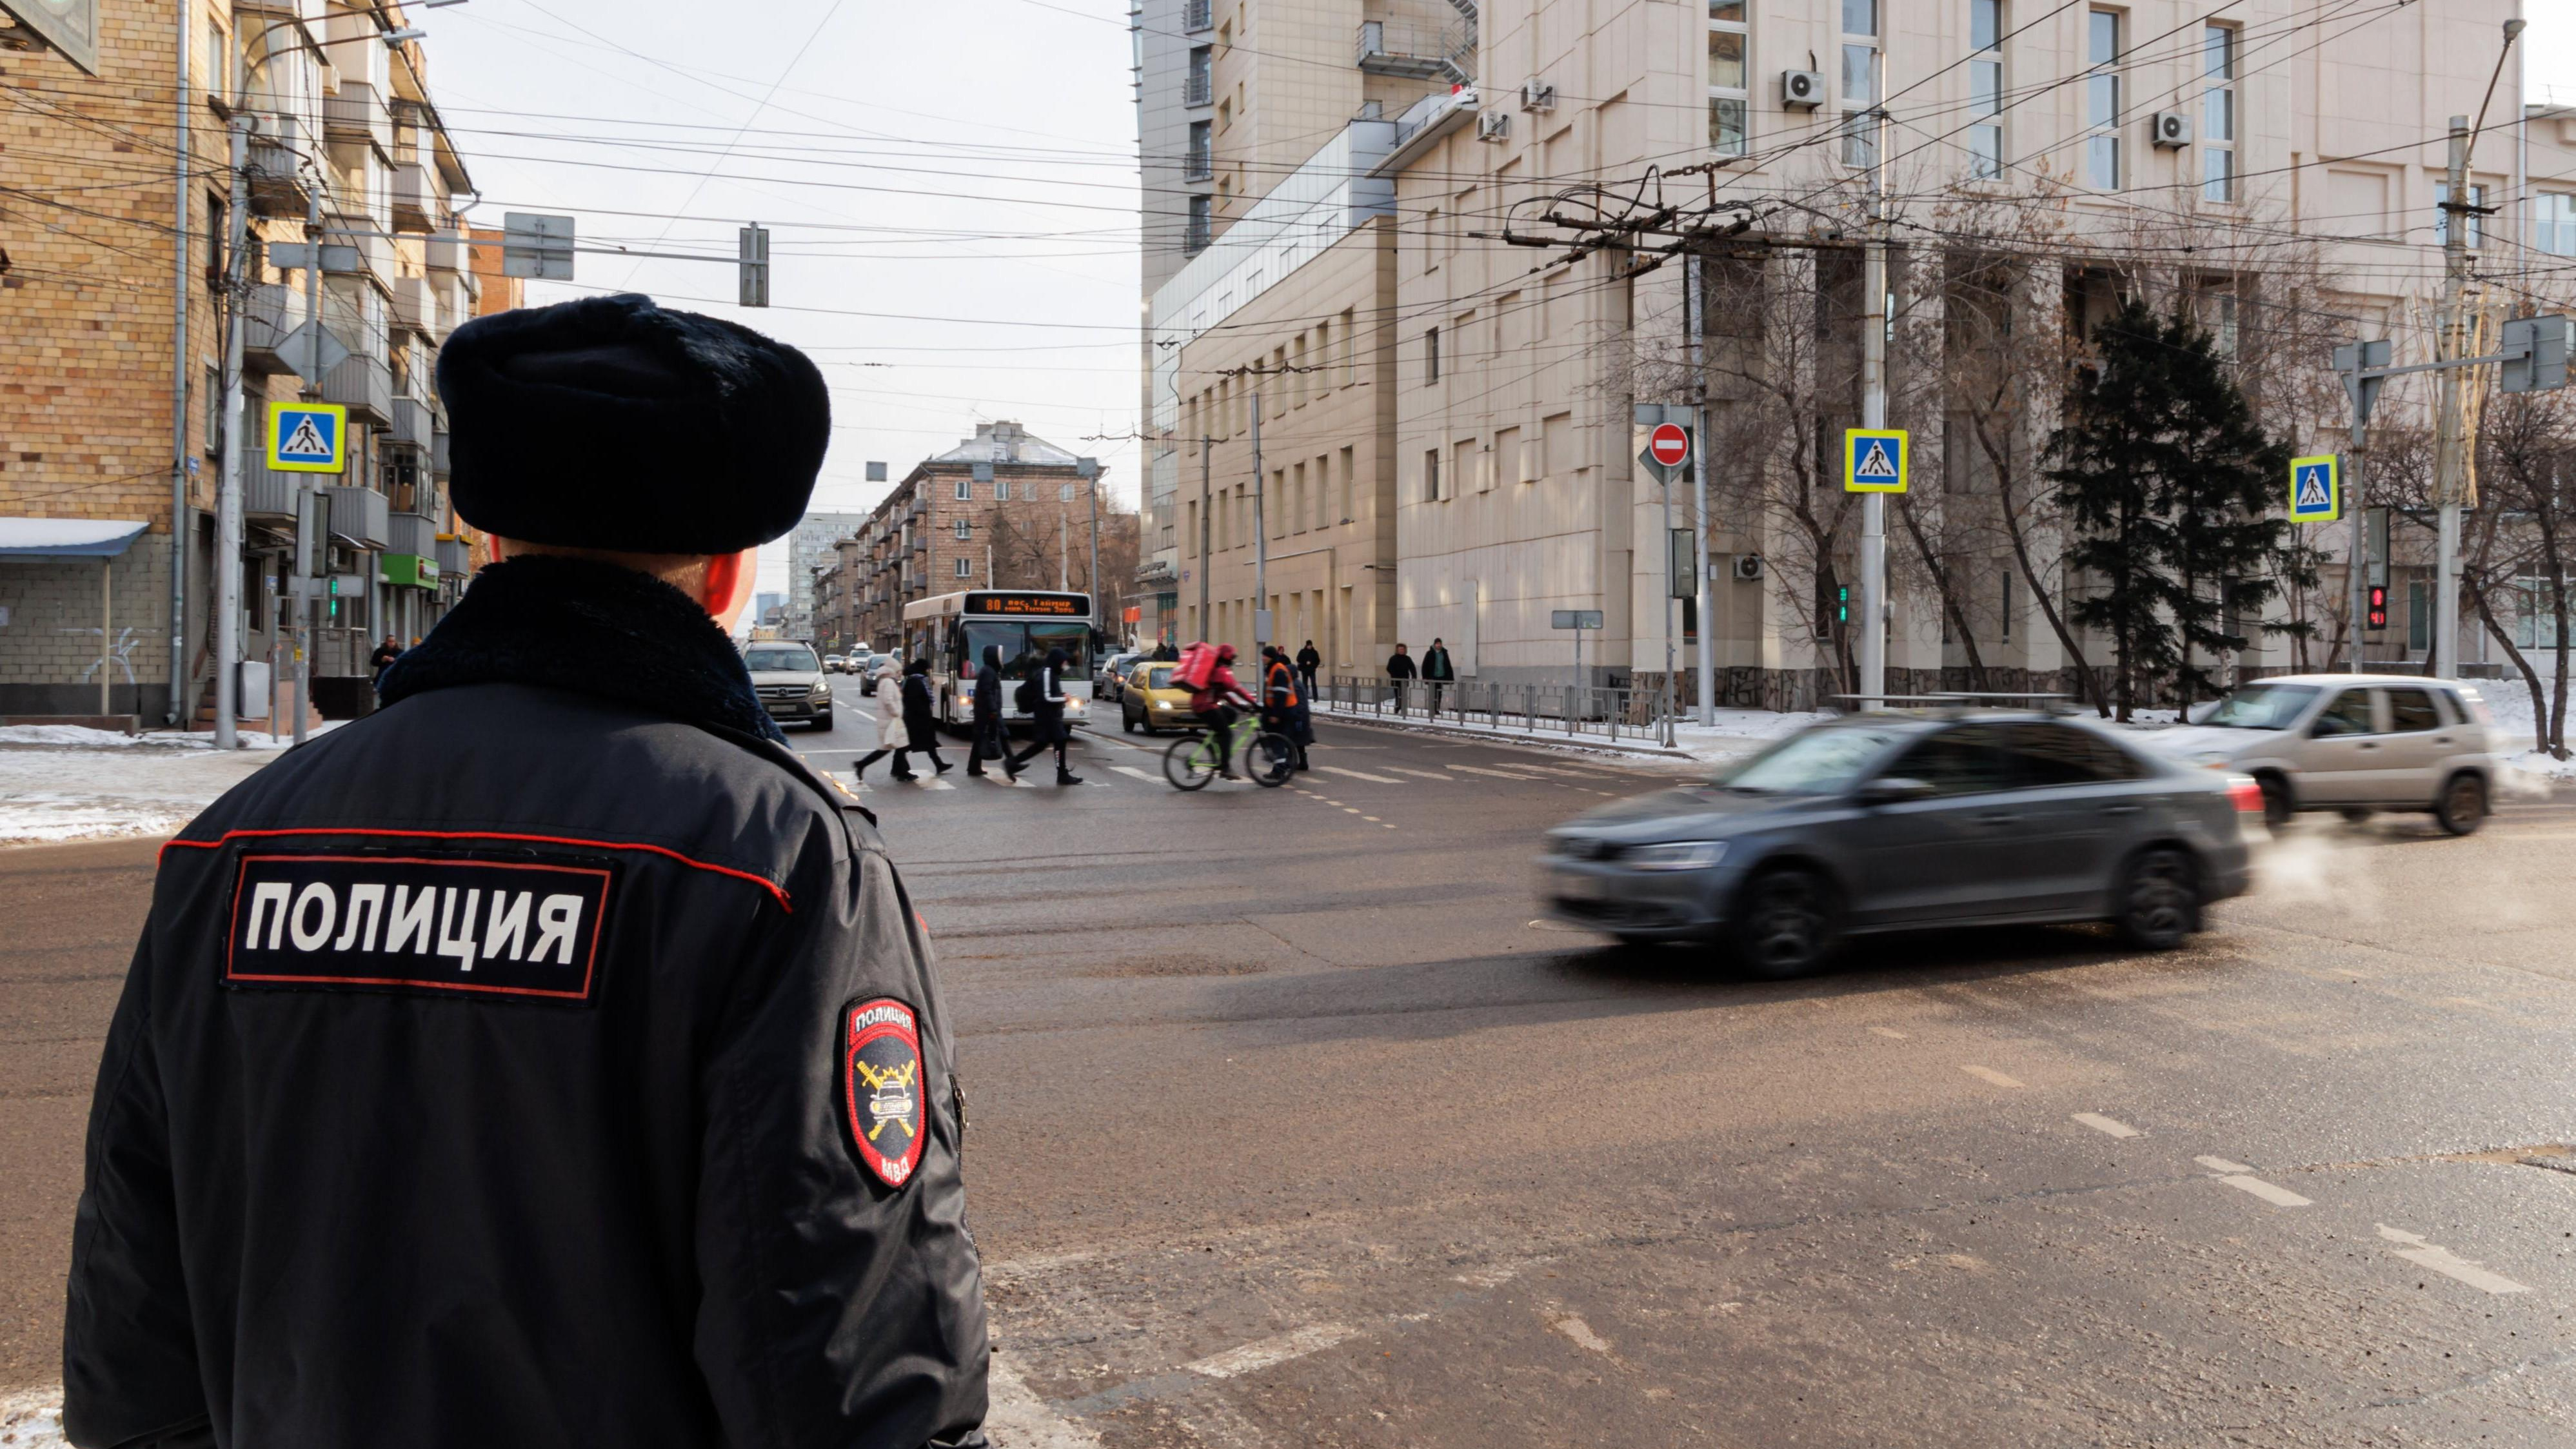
{"x": 1399, "y": 675}
{"x": 992, "y": 733}
{"x": 1308, "y": 661}
{"x": 385, "y": 653}
{"x": 892, "y": 737}
{"x": 550, "y": 1057}
{"x": 1047, "y": 727}
{"x": 921, "y": 714}
{"x": 1283, "y": 708}
{"x": 1437, "y": 671}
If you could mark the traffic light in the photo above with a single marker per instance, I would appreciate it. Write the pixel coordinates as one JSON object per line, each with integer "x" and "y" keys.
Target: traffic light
{"x": 2378, "y": 606}
{"x": 1842, "y": 604}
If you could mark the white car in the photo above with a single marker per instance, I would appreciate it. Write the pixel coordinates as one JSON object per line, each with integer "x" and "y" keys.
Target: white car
{"x": 2354, "y": 743}
{"x": 790, "y": 682}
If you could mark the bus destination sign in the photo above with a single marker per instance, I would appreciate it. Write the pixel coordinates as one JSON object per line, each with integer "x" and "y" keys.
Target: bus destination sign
{"x": 1056, "y": 606}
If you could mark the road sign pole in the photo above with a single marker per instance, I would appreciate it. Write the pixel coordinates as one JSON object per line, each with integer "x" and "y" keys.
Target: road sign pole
{"x": 1695, "y": 317}
{"x": 228, "y": 484}
{"x": 1873, "y": 414}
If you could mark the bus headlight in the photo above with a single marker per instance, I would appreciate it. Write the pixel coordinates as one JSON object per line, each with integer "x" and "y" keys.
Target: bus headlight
{"x": 1073, "y": 704}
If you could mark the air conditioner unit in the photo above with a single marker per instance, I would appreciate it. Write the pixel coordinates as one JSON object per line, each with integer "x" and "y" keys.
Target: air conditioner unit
{"x": 1802, "y": 89}
{"x": 1537, "y": 95}
{"x": 1748, "y": 567}
{"x": 1493, "y": 125}
{"x": 2170, "y": 130}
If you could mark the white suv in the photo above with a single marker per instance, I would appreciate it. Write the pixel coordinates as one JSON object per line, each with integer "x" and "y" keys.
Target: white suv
{"x": 2354, "y": 743}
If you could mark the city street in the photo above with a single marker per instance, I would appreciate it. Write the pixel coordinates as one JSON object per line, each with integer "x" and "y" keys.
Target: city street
{"x": 1290, "y": 1126}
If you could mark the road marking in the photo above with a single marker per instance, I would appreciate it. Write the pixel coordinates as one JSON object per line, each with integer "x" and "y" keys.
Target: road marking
{"x": 2221, "y": 1164}
{"x": 1582, "y": 1334}
{"x": 2447, "y": 1263}
{"x": 1016, "y": 1418}
{"x": 1011, "y": 782}
{"x": 1373, "y": 820}
{"x": 1989, "y": 1074}
{"x": 1502, "y": 774}
{"x": 1350, "y": 810}
{"x": 2107, "y": 1126}
{"x": 1265, "y": 1352}
{"x": 1139, "y": 774}
{"x": 1424, "y": 774}
{"x": 2240, "y": 1177}
{"x": 1891, "y": 1033}
{"x": 930, "y": 783}
{"x": 1359, "y": 775}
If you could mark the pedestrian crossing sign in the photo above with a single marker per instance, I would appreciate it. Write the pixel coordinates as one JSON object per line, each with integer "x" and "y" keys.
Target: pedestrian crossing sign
{"x": 2316, "y": 489}
{"x": 1874, "y": 460}
{"x": 308, "y": 437}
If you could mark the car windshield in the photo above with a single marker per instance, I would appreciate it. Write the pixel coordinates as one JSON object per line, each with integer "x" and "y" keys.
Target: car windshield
{"x": 2262, "y": 706}
{"x": 1158, "y": 678}
{"x": 780, "y": 659}
{"x": 1821, "y": 761}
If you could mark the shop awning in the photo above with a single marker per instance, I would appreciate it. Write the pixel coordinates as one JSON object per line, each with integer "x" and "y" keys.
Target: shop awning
{"x": 67, "y": 537}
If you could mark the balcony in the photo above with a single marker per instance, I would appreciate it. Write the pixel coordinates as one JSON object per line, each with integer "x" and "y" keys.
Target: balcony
{"x": 266, "y": 494}
{"x": 272, "y": 310}
{"x": 445, "y": 252}
{"x": 1199, "y": 89}
{"x": 357, "y": 114}
{"x": 453, "y": 556}
{"x": 411, "y": 423}
{"x": 1196, "y": 236}
{"x": 416, "y": 306}
{"x": 438, "y": 452}
{"x": 1199, "y": 164}
{"x": 364, "y": 385}
{"x": 1419, "y": 49}
{"x": 278, "y": 186}
{"x": 359, "y": 516}
{"x": 1198, "y": 15}
{"x": 411, "y": 533}
{"x": 419, "y": 204}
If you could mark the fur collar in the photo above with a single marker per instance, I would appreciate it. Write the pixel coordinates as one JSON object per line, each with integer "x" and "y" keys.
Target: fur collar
{"x": 592, "y": 628}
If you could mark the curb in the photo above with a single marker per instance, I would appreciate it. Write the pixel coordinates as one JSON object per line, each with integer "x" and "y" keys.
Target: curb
{"x": 1592, "y": 743}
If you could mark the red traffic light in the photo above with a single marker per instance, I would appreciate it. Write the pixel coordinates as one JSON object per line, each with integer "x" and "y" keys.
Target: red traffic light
{"x": 2378, "y": 606}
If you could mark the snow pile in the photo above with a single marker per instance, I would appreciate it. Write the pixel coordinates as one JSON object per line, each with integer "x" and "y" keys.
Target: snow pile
{"x": 1737, "y": 733}
{"x": 83, "y": 737}
{"x": 2509, "y": 700}
{"x": 32, "y": 1421}
{"x": 56, "y": 790}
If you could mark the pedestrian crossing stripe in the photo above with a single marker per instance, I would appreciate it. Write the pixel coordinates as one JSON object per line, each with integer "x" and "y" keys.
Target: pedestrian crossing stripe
{"x": 1874, "y": 460}
{"x": 2316, "y": 489}
{"x": 307, "y": 437}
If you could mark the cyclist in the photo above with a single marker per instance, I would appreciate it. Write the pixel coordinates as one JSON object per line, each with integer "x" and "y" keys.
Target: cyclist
{"x": 1215, "y": 704}
{"x": 1283, "y": 708}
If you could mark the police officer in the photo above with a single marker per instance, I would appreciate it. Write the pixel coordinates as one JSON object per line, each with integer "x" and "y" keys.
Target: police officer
{"x": 549, "y": 1058}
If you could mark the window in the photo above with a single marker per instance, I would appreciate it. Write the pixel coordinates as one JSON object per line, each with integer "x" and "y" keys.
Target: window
{"x": 1201, "y": 86}
{"x": 1001, "y": 490}
{"x": 2412, "y": 711}
{"x": 1860, "y": 81}
{"x": 1349, "y": 503}
{"x": 2218, "y": 113}
{"x": 2419, "y": 615}
{"x": 1728, "y": 100}
{"x": 1350, "y": 347}
{"x": 2554, "y": 229}
{"x": 1064, "y": 493}
{"x": 2348, "y": 715}
{"x": 1986, "y": 90}
{"x": 1202, "y": 217}
{"x": 965, "y": 568}
{"x": 1431, "y": 354}
{"x": 2535, "y": 624}
{"x": 1201, "y": 161}
{"x": 2050, "y": 755}
{"x": 213, "y": 396}
{"x": 965, "y": 489}
{"x": 2221, "y": 319}
{"x": 1968, "y": 760}
{"x": 2477, "y": 232}
{"x": 965, "y": 529}
{"x": 1431, "y": 475}
{"x": 2102, "y": 100}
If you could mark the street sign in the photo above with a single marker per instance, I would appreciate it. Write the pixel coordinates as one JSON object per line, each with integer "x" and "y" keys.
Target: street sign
{"x": 2351, "y": 359}
{"x": 1574, "y": 619}
{"x": 2535, "y": 354}
{"x": 2316, "y": 489}
{"x": 754, "y": 266}
{"x": 536, "y": 244}
{"x": 1873, "y": 460}
{"x": 308, "y": 437}
{"x": 1670, "y": 445}
{"x": 1681, "y": 565}
{"x": 300, "y": 346}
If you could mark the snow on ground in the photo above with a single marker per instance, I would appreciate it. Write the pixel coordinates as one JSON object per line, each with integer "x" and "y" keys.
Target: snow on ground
{"x": 32, "y": 1421}
{"x": 62, "y": 782}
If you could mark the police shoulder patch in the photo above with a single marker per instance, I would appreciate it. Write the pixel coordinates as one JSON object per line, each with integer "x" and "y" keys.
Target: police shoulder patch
{"x": 882, "y": 1088}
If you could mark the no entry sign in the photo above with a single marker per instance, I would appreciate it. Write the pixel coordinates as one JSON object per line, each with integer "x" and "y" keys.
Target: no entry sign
{"x": 1669, "y": 445}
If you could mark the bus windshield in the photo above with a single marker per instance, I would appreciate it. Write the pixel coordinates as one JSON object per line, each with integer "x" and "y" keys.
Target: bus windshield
{"x": 1024, "y": 646}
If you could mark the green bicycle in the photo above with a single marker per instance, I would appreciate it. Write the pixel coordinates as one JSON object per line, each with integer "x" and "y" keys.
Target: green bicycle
{"x": 1267, "y": 758}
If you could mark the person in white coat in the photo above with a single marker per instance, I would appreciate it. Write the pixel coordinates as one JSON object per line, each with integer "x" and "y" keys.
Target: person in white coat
{"x": 892, "y": 739}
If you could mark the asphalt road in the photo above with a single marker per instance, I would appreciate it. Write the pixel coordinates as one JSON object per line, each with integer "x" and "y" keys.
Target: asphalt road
{"x": 1289, "y": 1127}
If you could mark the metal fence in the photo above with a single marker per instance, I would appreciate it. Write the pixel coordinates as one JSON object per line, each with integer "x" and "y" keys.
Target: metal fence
{"x": 1533, "y": 709}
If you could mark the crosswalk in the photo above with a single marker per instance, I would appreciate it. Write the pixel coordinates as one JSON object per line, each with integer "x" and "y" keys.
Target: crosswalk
{"x": 1574, "y": 779}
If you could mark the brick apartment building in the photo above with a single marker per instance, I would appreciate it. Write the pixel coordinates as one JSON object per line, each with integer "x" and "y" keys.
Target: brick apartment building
{"x": 1003, "y": 509}
{"x": 115, "y": 306}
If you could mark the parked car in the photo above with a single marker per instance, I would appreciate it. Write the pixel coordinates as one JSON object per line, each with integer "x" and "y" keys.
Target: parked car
{"x": 1889, "y": 821}
{"x": 2354, "y": 743}
{"x": 789, "y": 679}
{"x": 1111, "y": 677}
{"x": 1149, "y": 701}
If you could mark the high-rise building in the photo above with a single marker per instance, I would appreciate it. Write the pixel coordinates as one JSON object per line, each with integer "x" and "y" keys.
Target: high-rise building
{"x": 809, "y": 551}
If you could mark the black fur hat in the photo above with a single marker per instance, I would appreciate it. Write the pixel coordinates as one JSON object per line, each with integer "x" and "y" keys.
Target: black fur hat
{"x": 612, "y": 423}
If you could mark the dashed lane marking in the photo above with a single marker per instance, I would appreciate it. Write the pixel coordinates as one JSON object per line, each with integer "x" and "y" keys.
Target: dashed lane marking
{"x": 2107, "y": 1126}
{"x": 1264, "y": 1353}
{"x": 1501, "y": 774}
{"x": 1891, "y": 1033}
{"x": 2241, "y": 1177}
{"x": 2447, "y": 1263}
{"x": 1359, "y": 775}
{"x": 1989, "y": 1074}
{"x": 2221, "y": 1164}
{"x": 1016, "y": 1418}
{"x": 1421, "y": 774}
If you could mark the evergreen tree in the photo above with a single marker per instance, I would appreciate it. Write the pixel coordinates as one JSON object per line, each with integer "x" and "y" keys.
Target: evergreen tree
{"x": 2168, "y": 483}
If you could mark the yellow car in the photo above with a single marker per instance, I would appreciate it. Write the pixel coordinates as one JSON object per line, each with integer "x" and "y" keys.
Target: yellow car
{"x": 1152, "y": 701}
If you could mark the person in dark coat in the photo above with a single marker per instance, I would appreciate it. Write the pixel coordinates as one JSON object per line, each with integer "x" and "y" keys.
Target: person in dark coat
{"x": 1437, "y": 671}
{"x": 1399, "y": 675}
{"x": 1308, "y": 661}
{"x": 992, "y": 732}
{"x": 1284, "y": 711}
{"x": 921, "y": 714}
{"x": 551, "y": 1057}
{"x": 1047, "y": 729}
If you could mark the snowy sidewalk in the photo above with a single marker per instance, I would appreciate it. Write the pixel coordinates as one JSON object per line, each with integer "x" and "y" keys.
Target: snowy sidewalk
{"x": 61, "y": 782}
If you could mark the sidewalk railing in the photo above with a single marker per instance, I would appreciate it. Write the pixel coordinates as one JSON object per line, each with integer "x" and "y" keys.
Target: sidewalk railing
{"x": 1533, "y": 709}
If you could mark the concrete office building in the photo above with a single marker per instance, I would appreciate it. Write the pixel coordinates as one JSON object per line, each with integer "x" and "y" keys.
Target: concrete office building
{"x": 811, "y": 549}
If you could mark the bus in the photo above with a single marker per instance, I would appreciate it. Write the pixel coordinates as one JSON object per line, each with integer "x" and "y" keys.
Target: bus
{"x": 952, "y": 631}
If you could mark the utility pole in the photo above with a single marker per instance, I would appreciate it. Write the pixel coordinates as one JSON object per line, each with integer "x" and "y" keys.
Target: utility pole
{"x": 2353, "y": 500}
{"x": 1694, "y": 322}
{"x": 1207, "y": 527}
{"x": 1091, "y": 486}
{"x": 1260, "y": 539}
{"x": 1873, "y": 414}
{"x": 319, "y": 548}
{"x": 2451, "y": 448}
{"x": 228, "y": 487}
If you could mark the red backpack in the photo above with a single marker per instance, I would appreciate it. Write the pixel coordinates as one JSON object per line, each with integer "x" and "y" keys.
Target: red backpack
{"x": 1197, "y": 666}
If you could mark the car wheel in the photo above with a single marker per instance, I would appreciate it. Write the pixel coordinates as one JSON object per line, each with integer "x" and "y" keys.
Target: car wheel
{"x": 2159, "y": 900}
{"x": 2357, "y": 815}
{"x": 2278, "y": 804}
{"x": 1787, "y": 924}
{"x": 2463, "y": 806}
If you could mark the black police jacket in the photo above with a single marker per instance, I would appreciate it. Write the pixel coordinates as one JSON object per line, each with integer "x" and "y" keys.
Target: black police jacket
{"x": 548, "y": 1059}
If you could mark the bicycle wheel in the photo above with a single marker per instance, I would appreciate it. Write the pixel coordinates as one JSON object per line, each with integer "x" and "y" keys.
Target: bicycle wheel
{"x": 1271, "y": 760}
{"x": 1189, "y": 764}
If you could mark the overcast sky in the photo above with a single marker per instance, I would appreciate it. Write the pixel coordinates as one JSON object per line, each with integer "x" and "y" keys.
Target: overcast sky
{"x": 950, "y": 188}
